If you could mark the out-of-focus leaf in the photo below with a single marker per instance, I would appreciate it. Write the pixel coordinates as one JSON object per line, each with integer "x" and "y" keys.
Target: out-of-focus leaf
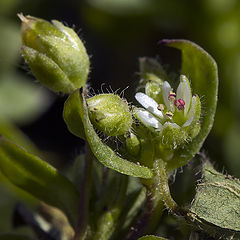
{"x": 101, "y": 151}
{"x": 151, "y": 237}
{"x": 38, "y": 178}
{"x": 10, "y": 131}
{"x": 9, "y": 44}
{"x": 218, "y": 199}
{"x": 121, "y": 6}
{"x": 21, "y": 101}
{"x": 12, "y": 236}
{"x": 231, "y": 148}
{"x": 201, "y": 69}
{"x": 7, "y": 5}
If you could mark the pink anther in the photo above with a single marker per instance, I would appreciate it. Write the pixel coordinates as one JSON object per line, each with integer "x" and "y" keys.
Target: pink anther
{"x": 179, "y": 104}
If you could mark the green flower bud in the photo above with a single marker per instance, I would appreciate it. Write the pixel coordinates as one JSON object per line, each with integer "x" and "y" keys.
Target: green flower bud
{"x": 110, "y": 114}
{"x": 54, "y": 53}
{"x": 132, "y": 144}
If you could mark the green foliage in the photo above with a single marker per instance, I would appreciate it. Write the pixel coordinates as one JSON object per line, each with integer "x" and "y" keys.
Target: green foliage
{"x": 217, "y": 199}
{"x": 155, "y": 141}
{"x": 38, "y": 178}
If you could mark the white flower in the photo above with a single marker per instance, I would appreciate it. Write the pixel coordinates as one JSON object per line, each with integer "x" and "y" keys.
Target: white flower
{"x": 178, "y": 110}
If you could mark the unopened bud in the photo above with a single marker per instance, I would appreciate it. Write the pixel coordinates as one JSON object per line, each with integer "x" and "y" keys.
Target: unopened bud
{"x": 55, "y": 54}
{"x": 110, "y": 114}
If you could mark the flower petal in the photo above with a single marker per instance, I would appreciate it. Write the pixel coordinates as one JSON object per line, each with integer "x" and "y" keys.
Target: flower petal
{"x": 184, "y": 92}
{"x": 150, "y": 104}
{"x": 166, "y": 91}
{"x": 147, "y": 118}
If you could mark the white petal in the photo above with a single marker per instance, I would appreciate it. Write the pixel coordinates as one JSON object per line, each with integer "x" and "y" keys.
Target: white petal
{"x": 147, "y": 119}
{"x": 150, "y": 104}
{"x": 184, "y": 92}
{"x": 166, "y": 91}
{"x": 188, "y": 122}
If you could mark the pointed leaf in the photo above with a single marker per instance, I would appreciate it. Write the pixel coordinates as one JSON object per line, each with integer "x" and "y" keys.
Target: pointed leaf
{"x": 201, "y": 69}
{"x": 38, "y": 178}
{"x": 101, "y": 151}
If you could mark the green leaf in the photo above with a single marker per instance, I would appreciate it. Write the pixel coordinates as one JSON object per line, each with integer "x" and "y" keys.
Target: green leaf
{"x": 201, "y": 69}
{"x": 101, "y": 151}
{"x": 20, "y": 100}
{"x": 14, "y": 134}
{"x": 38, "y": 178}
{"x": 218, "y": 199}
{"x": 151, "y": 237}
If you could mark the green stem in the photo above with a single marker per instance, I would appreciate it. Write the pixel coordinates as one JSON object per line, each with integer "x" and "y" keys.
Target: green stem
{"x": 151, "y": 214}
{"x": 82, "y": 227}
{"x": 108, "y": 220}
{"x": 162, "y": 183}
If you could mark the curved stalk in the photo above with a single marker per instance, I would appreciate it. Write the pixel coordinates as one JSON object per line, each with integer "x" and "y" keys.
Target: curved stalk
{"x": 82, "y": 228}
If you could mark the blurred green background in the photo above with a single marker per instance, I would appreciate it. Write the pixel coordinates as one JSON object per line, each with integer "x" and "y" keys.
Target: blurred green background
{"x": 116, "y": 33}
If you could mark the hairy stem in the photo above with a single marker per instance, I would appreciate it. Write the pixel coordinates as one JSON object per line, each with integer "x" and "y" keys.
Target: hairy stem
{"x": 162, "y": 183}
{"x": 81, "y": 229}
{"x": 151, "y": 214}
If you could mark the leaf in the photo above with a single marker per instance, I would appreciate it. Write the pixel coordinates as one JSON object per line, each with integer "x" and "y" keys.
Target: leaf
{"x": 20, "y": 100}
{"x": 201, "y": 69}
{"x": 218, "y": 199}
{"x": 38, "y": 178}
{"x": 101, "y": 151}
{"x": 151, "y": 237}
{"x": 14, "y": 134}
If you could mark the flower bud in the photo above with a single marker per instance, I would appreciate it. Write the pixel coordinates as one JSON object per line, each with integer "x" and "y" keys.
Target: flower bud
{"x": 132, "y": 144}
{"x": 110, "y": 114}
{"x": 55, "y": 54}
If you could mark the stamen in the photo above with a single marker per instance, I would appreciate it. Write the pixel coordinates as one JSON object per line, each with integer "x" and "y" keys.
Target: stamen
{"x": 179, "y": 104}
{"x": 169, "y": 115}
{"x": 171, "y": 96}
{"x": 161, "y": 107}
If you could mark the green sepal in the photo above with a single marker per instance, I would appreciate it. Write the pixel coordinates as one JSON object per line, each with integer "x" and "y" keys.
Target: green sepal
{"x": 46, "y": 70}
{"x": 151, "y": 237}
{"x": 217, "y": 201}
{"x": 38, "y": 178}
{"x": 194, "y": 114}
{"x": 201, "y": 69}
{"x": 101, "y": 151}
{"x": 132, "y": 144}
{"x": 72, "y": 115}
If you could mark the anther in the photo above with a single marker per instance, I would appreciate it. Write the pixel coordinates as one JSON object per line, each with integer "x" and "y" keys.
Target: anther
{"x": 169, "y": 115}
{"x": 179, "y": 104}
{"x": 161, "y": 107}
{"x": 171, "y": 96}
